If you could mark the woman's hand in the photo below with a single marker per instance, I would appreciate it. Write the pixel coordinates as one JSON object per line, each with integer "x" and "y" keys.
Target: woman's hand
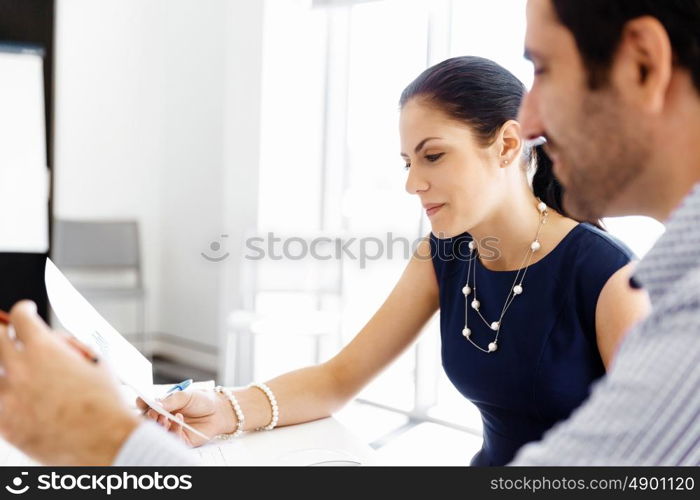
{"x": 205, "y": 410}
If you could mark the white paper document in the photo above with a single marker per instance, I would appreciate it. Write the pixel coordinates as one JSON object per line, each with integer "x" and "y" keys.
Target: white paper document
{"x": 81, "y": 320}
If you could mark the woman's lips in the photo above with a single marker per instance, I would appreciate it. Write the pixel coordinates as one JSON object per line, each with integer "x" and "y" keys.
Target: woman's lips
{"x": 432, "y": 210}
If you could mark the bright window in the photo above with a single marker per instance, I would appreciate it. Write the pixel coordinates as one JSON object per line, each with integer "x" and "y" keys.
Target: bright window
{"x": 333, "y": 77}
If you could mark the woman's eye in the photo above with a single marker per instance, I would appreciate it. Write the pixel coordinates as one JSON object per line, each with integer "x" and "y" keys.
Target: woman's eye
{"x": 434, "y": 157}
{"x": 407, "y": 166}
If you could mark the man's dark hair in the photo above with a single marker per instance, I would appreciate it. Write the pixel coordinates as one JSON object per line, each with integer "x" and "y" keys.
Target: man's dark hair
{"x": 597, "y": 28}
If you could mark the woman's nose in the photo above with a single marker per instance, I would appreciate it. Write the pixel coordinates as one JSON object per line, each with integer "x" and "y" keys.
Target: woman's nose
{"x": 415, "y": 183}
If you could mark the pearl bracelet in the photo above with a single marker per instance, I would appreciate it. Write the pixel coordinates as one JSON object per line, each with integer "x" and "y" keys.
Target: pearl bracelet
{"x": 237, "y": 410}
{"x": 273, "y": 405}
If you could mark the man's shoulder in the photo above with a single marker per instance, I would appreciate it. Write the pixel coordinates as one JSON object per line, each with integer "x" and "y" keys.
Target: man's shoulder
{"x": 681, "y": 302}
{"x": 668, "y": 337}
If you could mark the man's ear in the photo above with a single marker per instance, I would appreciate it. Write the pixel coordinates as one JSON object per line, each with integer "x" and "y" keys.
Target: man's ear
{"x": 509, "y": 142}
{"x": 643, "y": 63}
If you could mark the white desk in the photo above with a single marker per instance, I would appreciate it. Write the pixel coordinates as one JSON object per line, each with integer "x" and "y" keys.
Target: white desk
{"x": 11, "y": 456}
{"x": 323, "y": 442}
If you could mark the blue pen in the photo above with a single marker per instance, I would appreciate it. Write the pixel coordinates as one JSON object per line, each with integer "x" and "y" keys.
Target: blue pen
{"x": 181, "y": 386}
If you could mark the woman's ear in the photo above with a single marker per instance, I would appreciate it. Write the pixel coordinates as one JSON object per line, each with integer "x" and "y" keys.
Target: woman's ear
{"x": 509, "y": 143}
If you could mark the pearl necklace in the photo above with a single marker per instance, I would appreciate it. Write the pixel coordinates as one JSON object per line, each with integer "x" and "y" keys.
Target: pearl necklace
{"x": 515, "y": 289}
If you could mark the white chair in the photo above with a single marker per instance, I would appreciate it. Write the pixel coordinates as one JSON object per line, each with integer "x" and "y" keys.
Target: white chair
{"x": 103, "y": 261}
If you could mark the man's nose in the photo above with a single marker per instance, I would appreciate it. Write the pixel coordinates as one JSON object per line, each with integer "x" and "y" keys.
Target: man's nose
{"x": 529, "y": 117}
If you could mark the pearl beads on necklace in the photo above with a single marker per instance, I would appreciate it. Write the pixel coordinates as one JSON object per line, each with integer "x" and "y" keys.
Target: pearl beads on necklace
{"x": 516, "y": 287}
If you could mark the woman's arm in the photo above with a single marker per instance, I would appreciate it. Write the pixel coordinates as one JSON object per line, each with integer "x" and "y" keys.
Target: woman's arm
{"x": 317, "y": 391}
{"x": 619, "y": 308}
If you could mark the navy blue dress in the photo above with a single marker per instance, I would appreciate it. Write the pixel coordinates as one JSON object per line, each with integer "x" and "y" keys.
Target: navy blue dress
{"x": 547, "y": 354}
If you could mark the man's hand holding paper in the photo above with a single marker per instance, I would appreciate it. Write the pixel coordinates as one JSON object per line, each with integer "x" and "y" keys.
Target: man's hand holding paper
{"x": 82, "y": 320}
{"x": 86, "y": 420}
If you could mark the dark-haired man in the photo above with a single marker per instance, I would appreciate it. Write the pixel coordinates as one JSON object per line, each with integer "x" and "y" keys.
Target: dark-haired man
{"x": 617, "y": 96}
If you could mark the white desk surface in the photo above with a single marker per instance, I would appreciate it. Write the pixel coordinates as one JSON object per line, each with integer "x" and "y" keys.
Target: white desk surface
{"x": 322, "y": 442}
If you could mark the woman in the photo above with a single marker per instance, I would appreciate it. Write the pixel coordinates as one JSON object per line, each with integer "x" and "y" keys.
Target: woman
{"x": 533, "y": 303}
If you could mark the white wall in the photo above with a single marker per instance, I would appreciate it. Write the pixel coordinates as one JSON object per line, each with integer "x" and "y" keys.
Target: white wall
{"x": 191, "y": 197}
{"x": 109, "y": 143}
{"x": 156, "y": 120}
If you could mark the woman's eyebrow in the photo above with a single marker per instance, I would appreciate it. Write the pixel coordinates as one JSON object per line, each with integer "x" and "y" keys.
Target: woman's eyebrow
{"x": 420, "y": 145}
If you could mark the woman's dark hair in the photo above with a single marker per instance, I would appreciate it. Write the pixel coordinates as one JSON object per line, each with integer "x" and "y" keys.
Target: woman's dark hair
{"x": 484, "y": 95}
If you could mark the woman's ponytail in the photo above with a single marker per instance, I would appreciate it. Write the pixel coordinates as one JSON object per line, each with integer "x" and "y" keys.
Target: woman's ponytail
{"x": 546, "y": 186}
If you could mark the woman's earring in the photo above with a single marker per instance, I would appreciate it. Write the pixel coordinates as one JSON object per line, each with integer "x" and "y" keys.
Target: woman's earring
{"x": 505, "y": 162}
